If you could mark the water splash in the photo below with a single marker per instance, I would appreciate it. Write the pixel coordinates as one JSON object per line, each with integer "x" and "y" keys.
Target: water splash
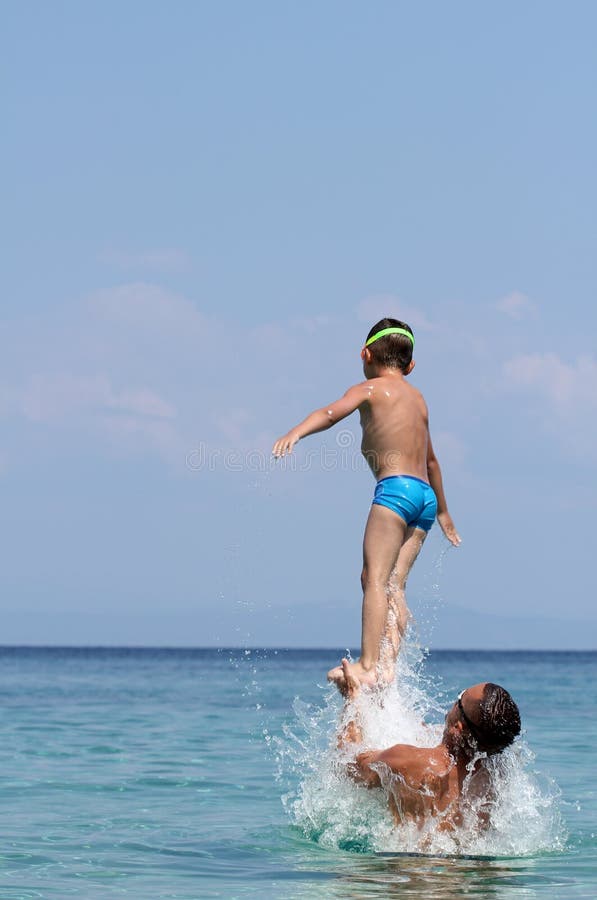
{"x": 332, "y": 810}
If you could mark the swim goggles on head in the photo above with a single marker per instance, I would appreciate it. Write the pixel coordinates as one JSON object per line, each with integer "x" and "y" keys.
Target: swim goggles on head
{"x": 385, "y": 331}
{"x": 474, "y": 729}
{"x": 492, "y": 742}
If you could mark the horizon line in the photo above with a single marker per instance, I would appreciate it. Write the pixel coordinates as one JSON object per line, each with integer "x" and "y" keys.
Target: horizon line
{"x": 283, "y": 649}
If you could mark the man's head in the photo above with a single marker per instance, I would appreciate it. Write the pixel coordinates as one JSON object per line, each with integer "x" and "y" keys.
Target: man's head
{"x": 486, "y": 717}
{"x": 389, "y": 345}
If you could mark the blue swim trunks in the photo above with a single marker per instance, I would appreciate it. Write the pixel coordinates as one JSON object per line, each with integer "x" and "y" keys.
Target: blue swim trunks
{"x": 409, "y": 497}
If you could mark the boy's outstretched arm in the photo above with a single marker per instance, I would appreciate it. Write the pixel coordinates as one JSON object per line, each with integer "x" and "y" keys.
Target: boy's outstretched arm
{"x": 321, "y": 419}
{"x": 434, "y": 473}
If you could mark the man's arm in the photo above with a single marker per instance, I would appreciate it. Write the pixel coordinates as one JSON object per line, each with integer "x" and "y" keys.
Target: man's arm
{"x": 350, "y": 688}
{"x": 321, "y": 419}
{"x": 434, "y": 473}
{"x": 351, "y": 733}
{"x": 397, "y": 758}
{"x": 482, "y": 792}
{"x": 360, "y": 769}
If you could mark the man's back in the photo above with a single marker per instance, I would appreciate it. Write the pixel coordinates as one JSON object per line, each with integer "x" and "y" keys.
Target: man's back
{"x": 425, "y": 782}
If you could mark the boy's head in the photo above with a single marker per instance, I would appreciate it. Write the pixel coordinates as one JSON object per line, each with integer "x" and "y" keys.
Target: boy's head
{"x": 390, "y": 350}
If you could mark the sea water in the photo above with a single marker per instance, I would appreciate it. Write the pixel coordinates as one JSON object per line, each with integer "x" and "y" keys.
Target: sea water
{"x": 206, "y": 773}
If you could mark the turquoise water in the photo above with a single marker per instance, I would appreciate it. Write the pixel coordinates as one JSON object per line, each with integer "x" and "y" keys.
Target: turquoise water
{"x": 159, "y": 773}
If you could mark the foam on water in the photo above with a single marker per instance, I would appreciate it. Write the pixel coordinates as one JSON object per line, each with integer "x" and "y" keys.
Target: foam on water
{"x": 328, "y": 807}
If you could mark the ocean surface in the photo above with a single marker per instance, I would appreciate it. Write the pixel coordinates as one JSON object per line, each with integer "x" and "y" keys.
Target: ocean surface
{"x": 208, "y": 773}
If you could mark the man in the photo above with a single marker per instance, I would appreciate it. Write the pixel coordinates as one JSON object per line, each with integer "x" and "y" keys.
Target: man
{"x": 449, "y": 782}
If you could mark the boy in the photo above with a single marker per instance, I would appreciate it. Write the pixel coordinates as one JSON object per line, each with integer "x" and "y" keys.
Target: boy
{"x": 409, "y": 491}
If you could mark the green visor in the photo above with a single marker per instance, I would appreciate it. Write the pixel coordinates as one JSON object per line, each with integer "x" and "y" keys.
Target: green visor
{"x": 385, "y": 331}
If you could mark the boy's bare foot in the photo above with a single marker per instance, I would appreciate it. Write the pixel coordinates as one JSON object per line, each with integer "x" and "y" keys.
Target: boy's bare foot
{"x": 348, "y": 685}
{"x": 366, "y": 677}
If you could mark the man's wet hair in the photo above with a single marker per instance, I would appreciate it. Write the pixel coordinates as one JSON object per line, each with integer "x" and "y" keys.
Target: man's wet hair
{"x": 499, "y": 719}
{"x": 395, "y": 351}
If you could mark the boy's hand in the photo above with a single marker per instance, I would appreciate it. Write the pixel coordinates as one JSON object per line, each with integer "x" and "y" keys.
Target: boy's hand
{"x": 285, "y": 444}
{"x": 449, "y": 529}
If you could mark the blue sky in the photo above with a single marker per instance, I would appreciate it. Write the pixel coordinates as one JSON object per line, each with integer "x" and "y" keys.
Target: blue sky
{"x": 206, "y": 207}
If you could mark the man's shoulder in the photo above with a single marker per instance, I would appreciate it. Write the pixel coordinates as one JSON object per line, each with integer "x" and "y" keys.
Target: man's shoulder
{"x": 418, "y": 766}
{"x": 401, "y": 755}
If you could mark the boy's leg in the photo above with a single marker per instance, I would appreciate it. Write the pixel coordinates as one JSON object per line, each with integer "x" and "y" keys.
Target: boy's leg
{"x": 398, "y": 612}
{"x": 384, "y": 534}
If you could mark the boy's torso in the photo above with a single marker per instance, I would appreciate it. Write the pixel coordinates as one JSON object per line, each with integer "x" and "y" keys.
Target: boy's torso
{"x": 395, "y": 428}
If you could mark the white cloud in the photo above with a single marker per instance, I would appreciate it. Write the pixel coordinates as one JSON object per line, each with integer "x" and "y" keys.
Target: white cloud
{"x": 270, "y": 335}
{"x": 565, "y": 395}
{"x": 143, "y": 402}
{"x": 56, "y": 398}
{"x": 141, "y": 366}
{"x": 233, "y": 424}
{"x": 311, "y": 324}
{"x": 165, "y": 259}
{"x": 380, "y": 306}
{"x": 134, "y": 419}
{"x": 569, "y": 387}
{"x": 516, "y": 305}
{"x": 451, "y": 450}
{"x": 138, "y": 433}
{"x": 148, "y": 306}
